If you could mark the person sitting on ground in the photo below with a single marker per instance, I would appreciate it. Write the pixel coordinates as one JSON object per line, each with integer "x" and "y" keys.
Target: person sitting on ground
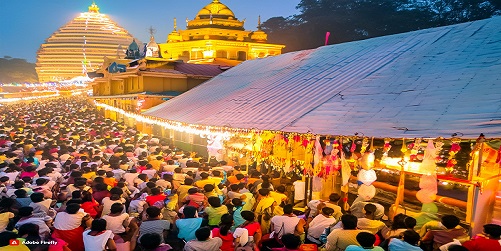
{"x": 334, "y": 204}
{"x": 237, "y": 178}
{"x": 340, "y": 238}
{"x": 98, "y": 238}
{"x": 488, "y": 240}
{"x": 115, "y": 197}
{"x": 118, "y": 222}
{"x": 182, "y": 190}
{"x": 291, "y": 243}
{"x": 178, "y": 177}
{"x": 156, "y": 197}
{"x": 237, "y": 210}
{"x": 357, "y": 209}
{"x": 288, "y": 223}
{"x": 250, "y": 228}
{"x": 41, "y": 207}
{"x": 397, "y": 226}
{"x": 6, "y": 238}
{"x": 223, "y": 232}
{"x": 319, "y": 223}
{"x": 189, "y": 223}
{"x": 366, "y": 241}
{"x": 408, "y": 241}
{"x": 153, "y": 242}
{"x": 165, "y": 182}
{"x": 67, "y": 226}
{"x": 22, "y": 198}
{"x": 89, "y": 205}
{"x": 209, "y": 191}
{"x": 204, "y": 241}
{"x": 27, "y": 217}
{"x": 150, "y": 171}
{"x": 154, "y": 224}
{"x": 265, "y": 209}
{"x": 369, "y": 223}
{"x": 449, "y": 229}
{"x": 195, "y": 199}
{"x": 234, "y": 193}
{"x": 110, "y": 179}
{"x": 215, "y": 211}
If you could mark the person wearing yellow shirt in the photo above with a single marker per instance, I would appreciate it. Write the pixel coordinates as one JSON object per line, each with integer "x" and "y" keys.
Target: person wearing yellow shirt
{"x": 182, "y": 190}
{"x": 216, "y": 176}
{"x": 265, "y": 209}
{"x": 9, "y": 242}
{"x": 88, "y": 173}
{"x": 279, "y": 197}
{"x": 157, "y": 162}
{"x": 205, "y": 180}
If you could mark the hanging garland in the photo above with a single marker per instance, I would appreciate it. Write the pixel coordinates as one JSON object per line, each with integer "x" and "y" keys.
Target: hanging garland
{"x": 455, "y": 148}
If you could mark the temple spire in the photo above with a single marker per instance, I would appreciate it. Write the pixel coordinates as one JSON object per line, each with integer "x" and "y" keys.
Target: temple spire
{"x": 151, "y": 31}
{"x": 175, "y": 24}
{"x": 259, "y": 22}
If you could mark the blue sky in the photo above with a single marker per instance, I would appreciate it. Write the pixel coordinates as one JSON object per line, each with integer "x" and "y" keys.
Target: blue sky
{"x": 25, "y": 24}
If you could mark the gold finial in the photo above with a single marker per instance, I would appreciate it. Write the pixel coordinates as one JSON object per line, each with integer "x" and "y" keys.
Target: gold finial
{"x": 259, "y": 22}
{"x": 215, "y": 1}
{"x": 175, "y": 24}
{"x": 93, "y": 8}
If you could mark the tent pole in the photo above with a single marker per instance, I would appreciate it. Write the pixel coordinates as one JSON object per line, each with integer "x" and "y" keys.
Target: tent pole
{"x": 400, "y": 193}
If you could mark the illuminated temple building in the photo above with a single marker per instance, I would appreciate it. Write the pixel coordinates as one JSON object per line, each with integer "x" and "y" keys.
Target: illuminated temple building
{"x": 216, "y": 36}
{"x": 80, "y": 46}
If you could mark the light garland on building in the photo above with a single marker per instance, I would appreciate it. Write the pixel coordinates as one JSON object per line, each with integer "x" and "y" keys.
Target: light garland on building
{"x": 203, "y": 131}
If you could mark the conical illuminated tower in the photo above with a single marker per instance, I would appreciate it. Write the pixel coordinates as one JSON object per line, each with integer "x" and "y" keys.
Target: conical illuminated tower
{"x": 80, "y": 46}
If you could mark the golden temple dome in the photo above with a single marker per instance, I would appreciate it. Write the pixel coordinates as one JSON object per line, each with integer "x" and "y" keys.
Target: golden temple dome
{"x": 213, "y": 15}
{"x": 216, "y": 8}
{"x": 80, "y": 46}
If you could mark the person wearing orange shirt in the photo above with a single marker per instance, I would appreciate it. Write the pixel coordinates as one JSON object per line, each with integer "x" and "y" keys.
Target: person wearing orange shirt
{"x": 110, "y": 179}
{"x": 236, "y": 179}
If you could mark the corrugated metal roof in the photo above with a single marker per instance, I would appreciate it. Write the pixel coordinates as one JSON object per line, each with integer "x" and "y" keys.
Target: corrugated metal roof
{"x": 426, "y": 83}
{"x": 199, "y": 69}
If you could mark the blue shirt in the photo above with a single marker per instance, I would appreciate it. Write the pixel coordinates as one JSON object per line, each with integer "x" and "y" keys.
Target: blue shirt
{"x": 237, "y": 218}
{"x": 359, "y": 248}
{"x": 400, "y": 245}
{"x": 187, "y": 228}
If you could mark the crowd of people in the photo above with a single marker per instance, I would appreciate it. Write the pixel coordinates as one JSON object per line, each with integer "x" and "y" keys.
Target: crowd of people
{"x": 72, "y": 180}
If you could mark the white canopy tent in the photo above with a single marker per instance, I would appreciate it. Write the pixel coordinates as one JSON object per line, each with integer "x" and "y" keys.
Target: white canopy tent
{"x": 427, "y": 83}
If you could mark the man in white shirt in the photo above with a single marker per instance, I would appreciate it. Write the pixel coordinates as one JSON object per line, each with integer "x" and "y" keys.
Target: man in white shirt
{"x": 138, "y": 151}
{"x": 315, "y": 206}
{"x": 130, "y": 177}
{"x": 170, "y": 167}
{"x": 368, "y": 223}
{"x": 317, "y": 226}
{"x": 287, "y": 223}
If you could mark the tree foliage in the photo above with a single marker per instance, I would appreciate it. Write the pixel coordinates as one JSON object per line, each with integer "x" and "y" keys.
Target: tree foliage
{"x": 349, "y": 20}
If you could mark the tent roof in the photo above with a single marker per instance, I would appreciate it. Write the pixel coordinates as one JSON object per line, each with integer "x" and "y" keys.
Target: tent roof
{"x": 426, "y": 83}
